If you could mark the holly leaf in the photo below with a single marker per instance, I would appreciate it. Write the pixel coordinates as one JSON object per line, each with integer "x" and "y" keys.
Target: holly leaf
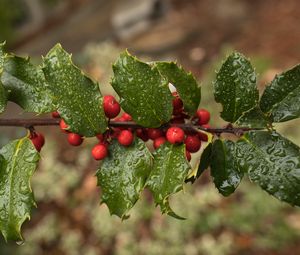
{"x": 26, "y": 85}
{"x": 224, "y": 169}
{"x": 254, "y": 118}
{"x": 122, "y": 176}
{"x": 18, "y": 161}
{"x": 235, "y": 87}
{"x": 3, "y": 96}
{"x": 167, "y": 177}
{"x": 281, "y": 99}
{"x": 2, "y": 56}
{"x": 77, "y": 97}
{"x": 185, "y": 83}
{"x": 205, "y": 160}
{"x": 273, "y": 162}
{"x": 143, "y": 92}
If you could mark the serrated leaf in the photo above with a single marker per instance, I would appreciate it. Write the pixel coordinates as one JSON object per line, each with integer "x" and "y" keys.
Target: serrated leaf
{"x": 235, "y": 87}
{"x": 26, "y": 85}
{"x": 254, "y": 118}
{"x": 19, "y": 160}
{"x": 185, "y": 83}
{"x": 143, "y": 92}
{"x": 273, "y": 162}
{"x": 224, "y": 170}
{"x": 281, "y": 99}
{"x": 3, "y": 96}
{"x": 167, "y": 177}
{"x": 122, "y": 176}
{"x": 77, "y": 97}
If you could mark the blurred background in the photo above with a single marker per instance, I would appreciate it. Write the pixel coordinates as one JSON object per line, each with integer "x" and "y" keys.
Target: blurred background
{"x": 198, "y": 34}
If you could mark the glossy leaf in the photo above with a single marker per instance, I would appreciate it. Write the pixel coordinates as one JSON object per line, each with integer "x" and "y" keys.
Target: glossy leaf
{"x": 143, "y": 92}
{"x": 281, "y": 99}
{"x": 205, "y": 160}
{"x": 3, "y": 96}
{"x": 122, "y": 176}
{"x": 235, "y": 87}
{"x": 18, "y": 162}
{"x": 254, "y": 118}
{"x": 224, "y": 170}
{"x": 26, "y": 85}
{"x": 77, "y": 97}
{"x": 273, "y": 162}
{"x": 185, "y": 83}
{"x": 169, "y": 171}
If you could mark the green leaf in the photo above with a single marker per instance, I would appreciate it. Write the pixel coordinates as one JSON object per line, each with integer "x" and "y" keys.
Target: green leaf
{"x": 224, "y": 170}
{"x": 77, "y": 97}
{"x": 2, "y": 56}
{"x": 281, "y": 99}
{"x": 205, "y": 160}
{"x": 185, "y": 83}
{"x": 253, "y": 118}
{"x": 273, "y": 162}
{"x": 26, "y": 85}
{"x": 235, "y": 87}
{"x": 168, "y": 174}
{"x": 143, "y": 92}
{"x": 122, "y": 176}
{"x": 3, "y": 96}
{"x": 18, "y": 162}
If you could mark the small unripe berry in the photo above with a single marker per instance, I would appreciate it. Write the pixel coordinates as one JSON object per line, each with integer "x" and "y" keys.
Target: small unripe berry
{"x": 55, "y": 114}
{"x": 175, "y": 135}
{"x": 111, "y": 106}
{"x": 125, "y": 137}
{"x": 37, "y": 140}
{"x": 63, "y": 126}
{"x": 99, "y": 151}
{"x": 75, "y": 139}
{"x": 192, "y": 143}
{"x": 203, "y": 137}
{"x": 188, "y": 155}
{"x": 142, "y": 134}
{"x": 154, "y": 133}
{"x": 203, "y": 115}
{"x": 159, "y": 141}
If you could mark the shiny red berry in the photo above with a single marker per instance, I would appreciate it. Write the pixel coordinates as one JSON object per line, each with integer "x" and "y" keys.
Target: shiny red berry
{"x": 75, "y": 139}
{"x": 38, "y": 140}
{"x": 192, "y": 143}
{"x": 154, "y": 133}
{"x": 203, "y": 116}
{"x": 159, "y": 141}
{"x": 175, "y": 135}
{"x": 177, "y": 103}
{"x": 125, "y": 137}
{"x": 111, "y": 106}
{"x": 203, "y": 137}
{"x": 142, "y": 134}
{"x": 99, "y": 151}
{"x": 126, "y": 117}
{"x": 63, "y": 126}
{"x": 55, "y": 114}
{"x": 188, "y": 155}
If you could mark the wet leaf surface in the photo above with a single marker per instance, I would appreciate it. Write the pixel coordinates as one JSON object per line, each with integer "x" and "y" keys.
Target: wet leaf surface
{"x": 122, "y": 176}
{"x": 3, "y": 96}
{"x": 253, "y": 118}
{"x": 18, "y": 161}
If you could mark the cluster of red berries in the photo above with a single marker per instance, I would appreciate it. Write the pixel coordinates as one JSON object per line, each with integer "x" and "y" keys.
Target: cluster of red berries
{"x": 174, "y": 134}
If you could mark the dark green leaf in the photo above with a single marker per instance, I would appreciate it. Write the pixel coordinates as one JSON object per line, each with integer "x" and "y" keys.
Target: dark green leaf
{"x": 185, "y": 83}
{"x": 77, "y": 97}
{"x": 281, "y": 99}
{"x": 26, "y": 85}
{"x": 122, "y": 176}
{"x": 18, "y": 162}
{"x": 273, "y": 162}
{"x": 235, "y": 87}
{"x": 205, "y": 160}
{"x": 168, "y": 174}
{"x": 2, "y": 56}
{"x": 224, "y": 170}
{"x": 3, "y": 96}
{"x": 143, "y": 92}
{"x": 253, "y": 118}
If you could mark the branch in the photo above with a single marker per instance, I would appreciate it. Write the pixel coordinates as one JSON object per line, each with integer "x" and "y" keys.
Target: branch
{"x": 29, "y": 123}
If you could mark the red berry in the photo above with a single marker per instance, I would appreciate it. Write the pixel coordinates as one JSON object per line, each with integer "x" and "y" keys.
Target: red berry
{"x": 111, "y": 106}
{"x": 142, "y": 133}
{"x": 177, "y": 120}
{"x": 125, "y": 137}
{"x": 55, "y": 114}
{"x": 192, "y": 143}
{"x": 188, "y": 155}
{"x": 75, "y": 139}
{"x": 100, "y": 137}
{"x": 154, "y": 133}
{"x": 203, "y": 115}
{"x": 99, "y": 151}
{"x": 159, "y": 141}
{"x": 126, "y": 117}
{"x": 203, "y": 137}
{"x": 177, "y": 103}
{"x": 63, "y": 126}
{"x": 206, "y": 125}
{"x": 38, "y": 141}
{"x": 175, "y": 135}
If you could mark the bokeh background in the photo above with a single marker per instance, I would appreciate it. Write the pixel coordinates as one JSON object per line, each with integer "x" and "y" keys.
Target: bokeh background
{"x": 198, "y": 34}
